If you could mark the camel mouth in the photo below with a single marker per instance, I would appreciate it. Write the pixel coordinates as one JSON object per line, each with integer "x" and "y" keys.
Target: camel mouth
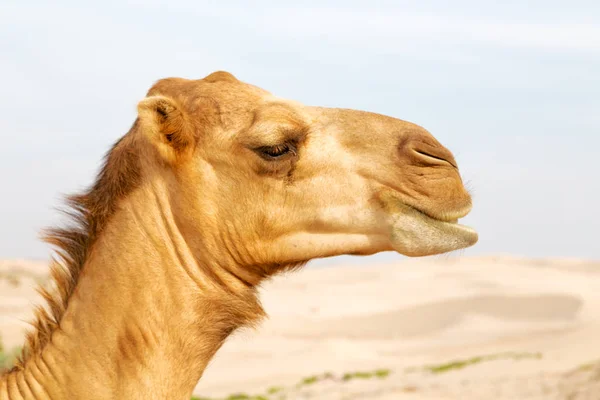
{"x": 448, "y": 217}
{"x": 417, "y": 233}
{"x": 450, "y": 223}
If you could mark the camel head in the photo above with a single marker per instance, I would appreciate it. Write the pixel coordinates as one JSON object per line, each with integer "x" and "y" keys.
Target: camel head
{"x": 265, "y": 182}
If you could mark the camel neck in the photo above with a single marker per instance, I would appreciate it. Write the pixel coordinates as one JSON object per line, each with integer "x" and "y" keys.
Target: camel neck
{"x": 144, "y": 320}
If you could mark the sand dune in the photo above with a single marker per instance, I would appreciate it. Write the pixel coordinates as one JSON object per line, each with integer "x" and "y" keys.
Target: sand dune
{"x": 470, "y": 328}
{"x": 427, "y": 319}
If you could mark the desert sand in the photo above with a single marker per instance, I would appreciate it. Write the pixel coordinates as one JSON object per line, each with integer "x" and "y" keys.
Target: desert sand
{"x": 435, "y": 328}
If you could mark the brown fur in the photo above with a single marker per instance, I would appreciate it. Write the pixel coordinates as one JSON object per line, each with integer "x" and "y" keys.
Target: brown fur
{"x": 89, "y": 213}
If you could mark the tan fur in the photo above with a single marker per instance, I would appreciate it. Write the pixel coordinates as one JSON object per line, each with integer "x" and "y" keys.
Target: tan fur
{"x": 190, "y": 211}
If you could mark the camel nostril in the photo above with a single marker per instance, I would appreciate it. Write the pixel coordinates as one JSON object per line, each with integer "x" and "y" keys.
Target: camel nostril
{"x": 424, "y": 149}
{"x": 438, "y": 154}
{"x": 447, "y": 158}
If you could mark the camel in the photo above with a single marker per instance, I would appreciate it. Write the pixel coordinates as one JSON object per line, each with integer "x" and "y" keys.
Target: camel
{"x": 217, "y": 186}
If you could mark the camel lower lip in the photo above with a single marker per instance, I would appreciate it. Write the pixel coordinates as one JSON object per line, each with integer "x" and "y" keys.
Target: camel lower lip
{"x": 415, "y": 233}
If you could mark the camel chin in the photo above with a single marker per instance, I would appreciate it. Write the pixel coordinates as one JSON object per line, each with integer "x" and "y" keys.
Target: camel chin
{"x": 416, "y": 234}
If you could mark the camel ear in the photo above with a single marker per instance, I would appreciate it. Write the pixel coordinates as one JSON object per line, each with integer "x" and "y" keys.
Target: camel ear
{"x": 166, "y": 124}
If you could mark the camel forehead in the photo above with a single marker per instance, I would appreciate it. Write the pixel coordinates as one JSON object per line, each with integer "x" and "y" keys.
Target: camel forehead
{"x": 221, "y": 87}
{"x": 234, "y": 103}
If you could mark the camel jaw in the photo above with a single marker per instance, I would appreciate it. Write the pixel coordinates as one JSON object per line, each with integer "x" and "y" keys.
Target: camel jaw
{"x": 416, "y": 234}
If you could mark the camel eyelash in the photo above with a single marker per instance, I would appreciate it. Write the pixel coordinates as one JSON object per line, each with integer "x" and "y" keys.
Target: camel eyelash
{"x": 277, "y": 152}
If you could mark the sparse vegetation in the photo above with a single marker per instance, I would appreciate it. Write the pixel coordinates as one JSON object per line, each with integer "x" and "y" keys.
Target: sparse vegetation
{"x": 380, "y": 373}
{"x": 280, "y": 392}
{"x": 309, "y": 380}
{"x": 460, "y": 364}
{"x": 586, "y": 367}
{"x": 274, "y": 390}
{"x": 238, "y": 396}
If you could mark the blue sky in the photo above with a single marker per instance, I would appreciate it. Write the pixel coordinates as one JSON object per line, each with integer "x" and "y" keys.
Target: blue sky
{"x": 512, "y": 88}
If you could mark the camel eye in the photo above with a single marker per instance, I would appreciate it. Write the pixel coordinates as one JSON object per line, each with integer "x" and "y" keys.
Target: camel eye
{"x": 276, "y": 152}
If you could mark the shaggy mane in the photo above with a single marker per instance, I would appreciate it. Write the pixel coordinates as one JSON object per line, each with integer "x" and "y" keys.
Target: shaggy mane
{"x": 88, "y": 214}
